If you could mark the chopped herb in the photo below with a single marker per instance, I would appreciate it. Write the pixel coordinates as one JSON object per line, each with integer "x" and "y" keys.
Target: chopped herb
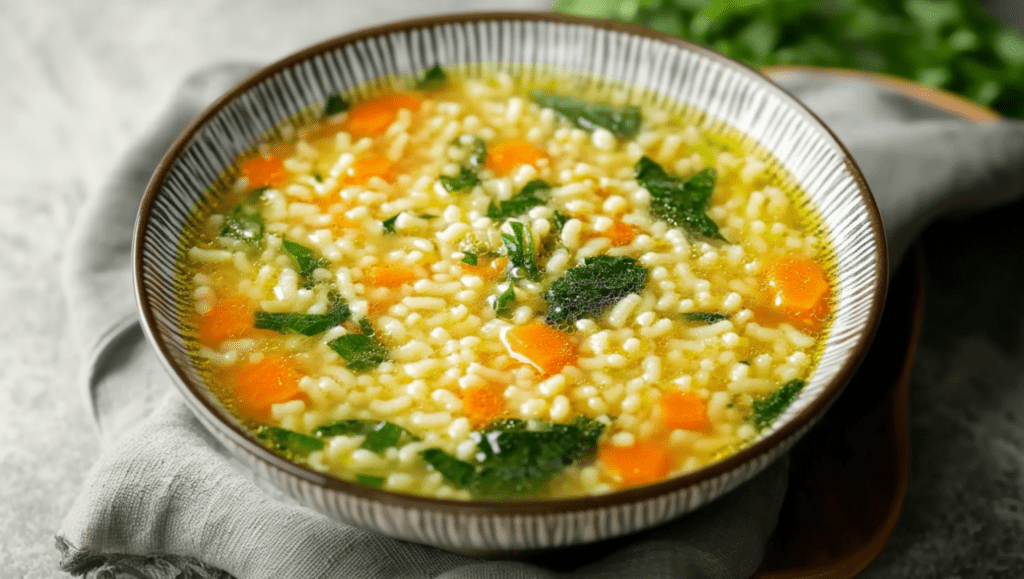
{"x": 427, "y": 216}
{"x": 466, "y": 179}
{"x": 380, "y": 434}
{"x": 454, "y": 470}
{"x": 521, "y": 259}
{"x": 318, "y": 177}
{"x": 244, "y": 223}
{"x": 256, "y": 195}
{"x": 470, "y": 259}
{"x": 365, "y": 326}
{"x": 305, "y": 258}
{"x": 305, "y": 324}
{"x": 520, "y": 202}
{"x": 476, "y": 150}
{"x": 623, "y": 122}
{"x": 361, "y": 352}
{"x": 559, "y": 220}
{"x": 434, "y": 77}
{"x": 389, "y": 223}
{"x": 768, "y": 409}
{"x": 368, "y": 480}
{"x": 335, "y": 104}
{"x": 287, "y": 441}
{"x": 585, "y": 291}
{"x": 502, "y": 303}
{"x": 515, "y": 457}
{"x": 681, "y": 202}
{"x": 704, "y": 317}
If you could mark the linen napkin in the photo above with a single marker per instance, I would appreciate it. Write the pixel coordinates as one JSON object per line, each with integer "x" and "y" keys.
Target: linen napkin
{"x": 164, "y": 500}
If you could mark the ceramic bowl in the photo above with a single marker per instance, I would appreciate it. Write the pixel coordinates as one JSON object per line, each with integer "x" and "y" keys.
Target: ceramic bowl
{"x": 665, "y": 68}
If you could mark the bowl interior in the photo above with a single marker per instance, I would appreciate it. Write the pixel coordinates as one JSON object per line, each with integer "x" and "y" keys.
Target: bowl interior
{"x": 664, "y": 70}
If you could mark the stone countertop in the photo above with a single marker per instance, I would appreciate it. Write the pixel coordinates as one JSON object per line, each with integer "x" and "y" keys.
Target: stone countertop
{"x": 79, "y": 79}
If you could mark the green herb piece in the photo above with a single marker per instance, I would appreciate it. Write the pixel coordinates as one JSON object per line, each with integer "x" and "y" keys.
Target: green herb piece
{"x": 305, "y": 324}
{"x": 389, "y": 224}
{"x": 432, "y": 78}
{"x": 520, "y": 202}
{"x": 244, "y": 223}
{"x": 515, "y": 457}
{"x": 287, "y": 441}
{"x": 369, "y": 480}
{"x": 585, "y": 291}
{"x": 335, "y": 104}
{"x": 466, "y": 179}
{"x": 559, "y": 220}
{"x": 470, "y": 258}
{"x": 456, "y": 471}
{"x": 380, "y": 434}
{"x": 766, "y": 410}
{"x": 318, "y": 177}
{"x": 623, "y": 122}
{"x": 475, "y": 148}
{"x": 503, "y": 303}
{"x": 521, "y": 259}
{"x": 361, "y": 352}
{"x": 305, "y": 258}
{"x": 366, "y": 327}
{"x": 704, "y": 317}
{"x": 427, "y": 216}
{"x": 681, "y": 202}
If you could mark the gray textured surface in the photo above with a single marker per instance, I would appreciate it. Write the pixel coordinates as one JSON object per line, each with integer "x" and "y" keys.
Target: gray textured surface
{"x": 79, "y": 79}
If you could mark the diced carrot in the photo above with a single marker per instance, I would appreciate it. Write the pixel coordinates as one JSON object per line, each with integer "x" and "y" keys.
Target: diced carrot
{"x": 390, "y": 276}
{"x": 372, "y": 118}
{"x": 502, "y": 159}
{"x": 364, "y": 168}
{"x": 259, "y": 386}
{"x": 621, "y": 233}
{"x": 684, "y": 410}
{"x": 638, "y": 464}
{"x": 483, "y": 405}
{"x": 263, "y": 171}
{"x": 798, "y": 287}
{"x": 231, "y": 317}
{"x": 486, "y": 271}
{"x": 548, "y": 348}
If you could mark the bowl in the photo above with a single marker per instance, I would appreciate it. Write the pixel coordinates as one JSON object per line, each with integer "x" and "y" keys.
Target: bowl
{"x": 729, "y": 93}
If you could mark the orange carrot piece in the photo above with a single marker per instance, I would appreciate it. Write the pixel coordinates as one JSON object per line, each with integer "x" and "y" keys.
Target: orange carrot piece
{"x": 372, "y": 118}
{"x": 230, "y": 317}
{"x": 798, "y": 287}
{"x": 502, "y": 159}
{"x": 259, "y": 386}
{"x": 365, "y": 168}
{"x": 621, "y": 233}
{"x": 483, "y": 405}
{"x": 390, "y": 276}
{"x": 548, "y": 348}
{"x": 684, "y": 410}
{"x": 263, "y": 171}
{"x": 638, "y": 464}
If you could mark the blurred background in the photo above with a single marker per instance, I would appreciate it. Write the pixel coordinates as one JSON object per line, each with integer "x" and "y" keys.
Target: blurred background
{"x": 80, "y": 79}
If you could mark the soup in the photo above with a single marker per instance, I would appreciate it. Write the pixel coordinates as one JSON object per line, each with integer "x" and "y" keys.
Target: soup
{"x": 501, "y": 285}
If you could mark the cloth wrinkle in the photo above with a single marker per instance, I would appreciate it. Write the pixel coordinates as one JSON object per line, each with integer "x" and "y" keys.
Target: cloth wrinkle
{"x": 166, "y": 500}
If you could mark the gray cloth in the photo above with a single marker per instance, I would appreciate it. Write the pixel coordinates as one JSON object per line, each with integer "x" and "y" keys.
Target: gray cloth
{"x": 164, "y": 498}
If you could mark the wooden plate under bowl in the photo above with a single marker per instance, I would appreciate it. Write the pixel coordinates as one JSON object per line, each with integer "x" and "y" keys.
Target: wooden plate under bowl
{"x": 849, "y": 475}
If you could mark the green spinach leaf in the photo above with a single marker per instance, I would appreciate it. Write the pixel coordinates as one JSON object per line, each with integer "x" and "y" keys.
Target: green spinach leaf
{"x": 360, "y": 352}
{"x": 681, "y": 202}
{"x": 335, "y": 104}
{"x": 244, "y": 223}
{"x": 307, "y": 259}
{"x": 432, "y": 78}
{"x": 466, "y": 179}
{"x": 704, "y": 317}
{"x": 623, "y": 122}
{"x": 522, "y": 261}
{"x": 520, "y": 202}
{"x": 305, "y": 324}
{"x": 288, "y": 442}
{"x": 585, "y": 291}
{"x": 766, "y": 410}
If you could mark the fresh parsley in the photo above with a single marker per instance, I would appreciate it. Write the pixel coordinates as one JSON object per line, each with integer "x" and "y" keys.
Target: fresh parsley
{"x": 470, "y": 258}
{"x": 516, "y": 457}
{"x": 432, "y": 78}
{"x": 519, "y": 203}
{"x": 766, "y": 410}
{"x": 681, "y": 202}
{"x": 522, "y": 261}
{"x": 389, "y": 224}
{"x": 704, "y": 317}
{"x": 335, "y": 104}
{"x": 586, "y": 290}
{"x": 503, "y": 302}
{"x": 621, "y": 121}
{"x": 360, "y": 352}
{"x": 244, "y": 223}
